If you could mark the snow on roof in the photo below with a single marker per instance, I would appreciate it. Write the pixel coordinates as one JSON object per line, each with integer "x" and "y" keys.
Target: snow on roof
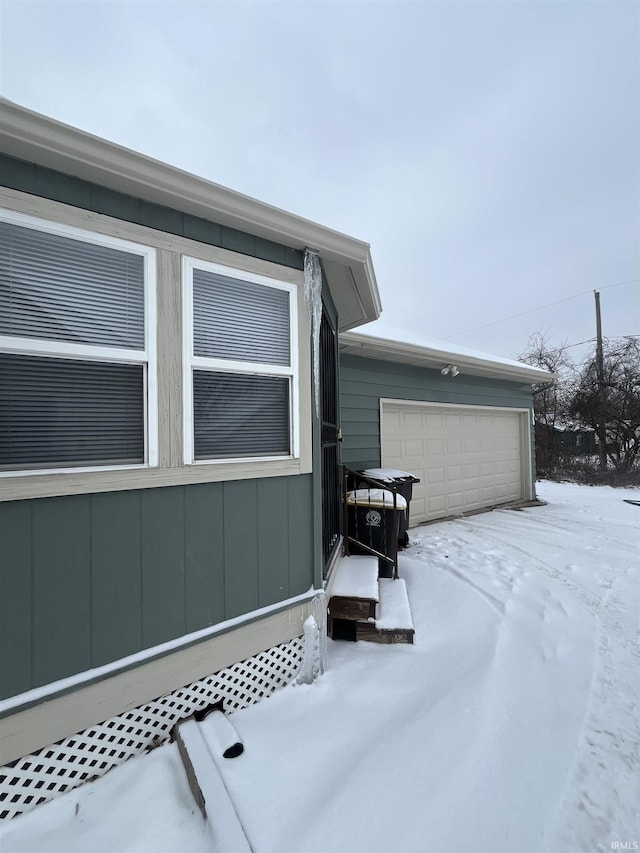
{"x": 410, "y": 347}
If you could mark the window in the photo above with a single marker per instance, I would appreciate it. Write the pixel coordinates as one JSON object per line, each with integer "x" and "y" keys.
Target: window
{"x": 240, "y": 358}
{"x": 77, "y": 349}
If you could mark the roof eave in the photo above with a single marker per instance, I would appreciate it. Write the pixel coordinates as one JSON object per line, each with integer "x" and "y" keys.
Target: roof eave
{"x": 31, "y": 136}
{"x": 422, "y": 356}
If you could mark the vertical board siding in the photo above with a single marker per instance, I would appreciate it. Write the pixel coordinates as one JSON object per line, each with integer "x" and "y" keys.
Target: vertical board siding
{"x": 301, "y": 519}
{"x": 62, "y": 587}
{"x": 163, "y": 576}
{"x": 273, "y": 547}
{"x": 240, "y": 547}
{"x": 106, "y": 575}
{"x": 116, "y": 587}
{"x": 204, "y": 555}
{"x": 16, "y": 624}
{"x": 363, "y": 381}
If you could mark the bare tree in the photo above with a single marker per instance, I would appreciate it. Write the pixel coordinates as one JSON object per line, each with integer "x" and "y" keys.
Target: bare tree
{"x": 619, "y": 407}
{"x": 552, "y": 401}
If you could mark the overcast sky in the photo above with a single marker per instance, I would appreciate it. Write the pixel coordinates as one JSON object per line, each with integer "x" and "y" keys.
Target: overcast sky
{"x": 489, "y": 152}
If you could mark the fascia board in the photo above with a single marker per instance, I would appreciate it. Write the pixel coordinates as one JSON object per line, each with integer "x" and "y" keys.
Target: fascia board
{"x": 370, "y": 347}
{"x": 37, "y": 138}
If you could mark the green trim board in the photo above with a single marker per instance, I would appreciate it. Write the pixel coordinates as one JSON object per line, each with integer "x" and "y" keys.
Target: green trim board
{"x": 48, "y": 183}
{"x": 364, "y": 381}
{"x": 90, "y": 579}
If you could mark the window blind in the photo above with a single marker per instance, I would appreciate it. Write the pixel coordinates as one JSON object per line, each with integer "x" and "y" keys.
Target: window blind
{"x": 240, "y": 320}
{"x": 239, "y": 415}
{"x": 61, "y": 413}
{"x": 58, "y": 288}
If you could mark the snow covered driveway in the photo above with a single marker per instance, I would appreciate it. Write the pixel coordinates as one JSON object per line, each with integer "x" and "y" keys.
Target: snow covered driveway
{"x": 511, "y": 725}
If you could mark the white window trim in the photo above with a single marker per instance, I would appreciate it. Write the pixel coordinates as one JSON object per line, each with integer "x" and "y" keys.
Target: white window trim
{"x": 190, "y": 361}
{"x": 89, "y": 352}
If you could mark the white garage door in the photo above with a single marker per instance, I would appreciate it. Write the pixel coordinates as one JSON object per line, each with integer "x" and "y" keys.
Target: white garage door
{"x": 466, "y": 457}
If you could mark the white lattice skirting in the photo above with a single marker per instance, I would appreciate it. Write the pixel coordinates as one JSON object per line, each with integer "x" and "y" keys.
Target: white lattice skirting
{"x": 37, "y": 778}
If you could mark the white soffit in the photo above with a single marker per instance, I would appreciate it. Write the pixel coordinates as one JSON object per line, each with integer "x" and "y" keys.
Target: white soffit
{"x": 492, "y": 367}
{"x": 38, "y": 139}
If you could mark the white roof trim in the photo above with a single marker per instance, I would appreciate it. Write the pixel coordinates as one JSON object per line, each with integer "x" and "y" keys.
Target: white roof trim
{"x": 31, "y": 136}
{"x": 479, "y": 364}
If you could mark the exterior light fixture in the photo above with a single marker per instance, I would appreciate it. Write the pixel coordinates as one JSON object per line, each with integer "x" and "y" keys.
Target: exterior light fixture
{"x": 450, "y": 368}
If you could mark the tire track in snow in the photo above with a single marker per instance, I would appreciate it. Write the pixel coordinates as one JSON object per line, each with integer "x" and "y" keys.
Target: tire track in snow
{"x": 583, "y": 595}
{"x": 608, "y": 755}
{"x": 423, "y": 551}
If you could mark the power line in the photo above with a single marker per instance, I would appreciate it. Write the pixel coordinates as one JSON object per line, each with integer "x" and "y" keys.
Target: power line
{"x": 563, "y": 347}
{"x": 540, "y": 308}
{"x": 551, "y": 350}
{"x": 579, "y": 344}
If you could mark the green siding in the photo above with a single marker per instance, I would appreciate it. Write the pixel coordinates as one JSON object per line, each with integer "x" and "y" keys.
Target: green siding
{"x": 204, "y": 555}
{"x": 273, "y": 558}
{"x": 89, "y": 579}
{"x": 301, "y": 537}
{"x": 38, "y": 180}
{"x": 363, "y": 381}
{"x": 163, "y": 576}
{"x": 62, "y": 588}
{"x": 241, "y": 547}
{"x": 16, "y": 624}
{"x": 116, "y": 587}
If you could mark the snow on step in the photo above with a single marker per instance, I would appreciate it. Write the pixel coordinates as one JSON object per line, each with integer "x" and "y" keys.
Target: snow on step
{"x": 356, "y": 577}
{"x": 394, "y": 612}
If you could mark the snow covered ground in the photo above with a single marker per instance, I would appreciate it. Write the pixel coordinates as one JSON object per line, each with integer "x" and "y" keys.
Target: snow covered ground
{"x": 511, "y": 725}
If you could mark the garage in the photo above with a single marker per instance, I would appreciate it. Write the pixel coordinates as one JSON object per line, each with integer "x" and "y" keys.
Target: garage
{"x": 467, "y": 457}
{"x": 460, "y": 420}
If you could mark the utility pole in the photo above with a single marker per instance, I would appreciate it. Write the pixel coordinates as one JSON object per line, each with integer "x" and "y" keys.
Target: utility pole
{"x": 601, "y": 420}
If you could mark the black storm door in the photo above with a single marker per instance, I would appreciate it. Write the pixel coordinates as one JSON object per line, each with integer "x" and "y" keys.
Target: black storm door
{"x": 331, "y": 481}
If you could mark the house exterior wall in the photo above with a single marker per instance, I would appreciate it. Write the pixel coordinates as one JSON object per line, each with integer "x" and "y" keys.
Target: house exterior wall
{"x": 101, "y": 565}
{"x": 47, "y": 183}
{"x": 363, "y": 381}
{"x": 90, "y": 579}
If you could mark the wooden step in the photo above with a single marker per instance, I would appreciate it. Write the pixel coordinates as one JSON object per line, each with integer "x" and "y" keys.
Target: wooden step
{"x": 354, "y": 592}
{"x": 368, "y": 632}
{"x": 363, "y": 606}
{"x": 393, "y": 623}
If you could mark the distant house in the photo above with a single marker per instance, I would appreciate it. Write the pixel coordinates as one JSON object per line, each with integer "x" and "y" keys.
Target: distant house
{"x": 170, "y": 498}
{"x": 566, "y": 439}
{"x": 575, "y": 441}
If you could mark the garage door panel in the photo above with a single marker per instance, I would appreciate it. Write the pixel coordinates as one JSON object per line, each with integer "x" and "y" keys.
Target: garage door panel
{"x": 418, "y": 505}
{"x": 436, "y": 505}
{"x": 432, "y": 422}
{"x": 466, "y": 459}
{"x": 392, "y": 448}
{"x": 487, "y": 494}
{"x": 456, "y": 501}
{"x": 413, "y": 447}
